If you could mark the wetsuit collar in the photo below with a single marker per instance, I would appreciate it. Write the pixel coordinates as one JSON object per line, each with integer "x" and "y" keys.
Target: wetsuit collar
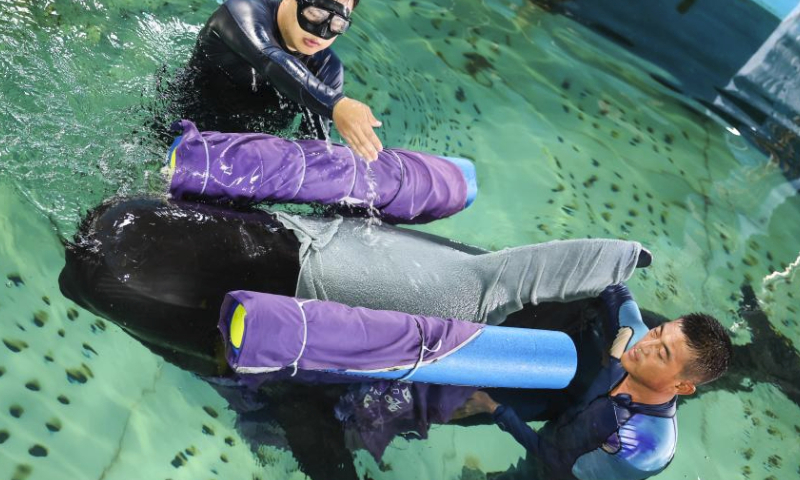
{"x": 665, "y": 410}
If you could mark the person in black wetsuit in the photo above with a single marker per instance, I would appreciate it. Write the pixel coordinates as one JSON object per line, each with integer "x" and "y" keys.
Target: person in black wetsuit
{"x": 259, "y": 64}
{"x": 622, "y": 425}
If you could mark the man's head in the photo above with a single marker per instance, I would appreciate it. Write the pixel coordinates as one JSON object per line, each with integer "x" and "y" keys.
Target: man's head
{"x": 309, "y": 26}
{"x": 677, "y": 356}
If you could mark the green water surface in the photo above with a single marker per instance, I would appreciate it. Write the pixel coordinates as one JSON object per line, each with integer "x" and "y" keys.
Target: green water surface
{"x": 571, "y": 138}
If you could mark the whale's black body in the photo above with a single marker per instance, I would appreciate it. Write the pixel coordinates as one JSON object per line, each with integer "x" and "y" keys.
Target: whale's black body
{"x": 160, "y": 270}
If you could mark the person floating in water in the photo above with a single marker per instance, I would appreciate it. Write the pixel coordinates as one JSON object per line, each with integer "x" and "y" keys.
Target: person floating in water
{"x": 623, "y": 426}
{"x": 260, "y": 64}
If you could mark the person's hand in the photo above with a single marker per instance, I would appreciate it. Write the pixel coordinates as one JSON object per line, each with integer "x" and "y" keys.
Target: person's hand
{"x": 479, "y": 402}
{"x": 355, "y": 121}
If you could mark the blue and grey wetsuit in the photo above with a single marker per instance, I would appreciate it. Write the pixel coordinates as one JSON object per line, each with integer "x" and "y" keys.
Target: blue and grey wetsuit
{"x": 243, "y": 78}
{"x": 602, "y": 437}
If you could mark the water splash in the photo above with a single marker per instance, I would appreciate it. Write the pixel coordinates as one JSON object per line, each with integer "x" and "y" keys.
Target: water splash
{"x": 373, "y": 215}
{"x": 786, "y": 274}
{"x": 373, "y": 218}
{"x": 767, "y": 299}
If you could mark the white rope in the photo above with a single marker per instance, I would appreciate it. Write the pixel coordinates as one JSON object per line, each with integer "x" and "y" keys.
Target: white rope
{"x": 305, "y": 335}
{"x": 422, "y": 351}
{"x": 305, "y": 165}
{"x": 402, "y": 165}
{"x": 208, "y": 165}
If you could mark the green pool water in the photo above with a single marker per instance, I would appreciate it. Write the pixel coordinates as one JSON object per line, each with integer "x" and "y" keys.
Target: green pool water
{"x": 571, "y": 138}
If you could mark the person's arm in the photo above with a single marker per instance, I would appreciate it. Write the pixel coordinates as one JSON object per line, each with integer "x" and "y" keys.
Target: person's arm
{"x": 556, "y": 462}
{"x": 504, "y": 416}
{"x": 508, "y": 420}
{"x": 329, "y": 71}
{"x": 587, "y": 458}
{"x": 245, "y": 27}
{"x": 624, "y": 322}
{"x": 600, "y": 464}
{"x": 354, "y": 120}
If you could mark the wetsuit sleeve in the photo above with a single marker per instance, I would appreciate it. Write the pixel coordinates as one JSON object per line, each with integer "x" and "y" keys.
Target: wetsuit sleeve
{"x": 601, "y": 465}
{"x": 245, "y": 27}
{"x": 643, "y": 447}
{"x": 330, "y": 72}
{"x": 586, "y": 454}
{"x": 508, "y": 421}
{"x": 623, "y": 314}
{"x": 550, "y": 458}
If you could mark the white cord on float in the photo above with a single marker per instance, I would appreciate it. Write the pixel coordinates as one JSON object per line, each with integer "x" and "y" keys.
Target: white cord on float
{"x": 305, "y": 336}
{"x": 422, "y": 350}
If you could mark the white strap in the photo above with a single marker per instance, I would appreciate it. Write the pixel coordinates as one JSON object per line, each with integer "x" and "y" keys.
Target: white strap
{"x": 303, "y": 176}
{"x": 305, "y": 335}
{"x": 422, "y": 350}
{"x": 208, "y": 165}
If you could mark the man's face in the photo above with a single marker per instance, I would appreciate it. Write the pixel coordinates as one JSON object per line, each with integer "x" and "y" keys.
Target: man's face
{"x": 658, "y": 360}
{"x": 302, "y": 41}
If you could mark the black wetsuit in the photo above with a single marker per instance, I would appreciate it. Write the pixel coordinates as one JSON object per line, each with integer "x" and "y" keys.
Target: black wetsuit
{"x": 242, "y": 78}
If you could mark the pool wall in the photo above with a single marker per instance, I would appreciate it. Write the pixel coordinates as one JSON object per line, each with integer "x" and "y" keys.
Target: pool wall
{"x": 705, "y": 46}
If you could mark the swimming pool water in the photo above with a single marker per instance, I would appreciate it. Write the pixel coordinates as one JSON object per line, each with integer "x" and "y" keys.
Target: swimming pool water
{"x": 570, "y": 135}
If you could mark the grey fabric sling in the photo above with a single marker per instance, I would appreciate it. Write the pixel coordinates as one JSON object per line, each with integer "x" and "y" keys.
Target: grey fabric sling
{"x": 389, "y": 268}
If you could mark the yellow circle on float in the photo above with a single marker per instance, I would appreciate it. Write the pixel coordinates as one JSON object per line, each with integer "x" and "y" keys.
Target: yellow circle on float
{"x": 173, "y": 160}
{"x": 237, "y": 326}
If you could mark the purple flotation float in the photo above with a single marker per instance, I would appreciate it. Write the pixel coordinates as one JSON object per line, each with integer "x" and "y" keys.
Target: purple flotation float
{"x": 245, "y": 168}
{"x": 272, "y": 335}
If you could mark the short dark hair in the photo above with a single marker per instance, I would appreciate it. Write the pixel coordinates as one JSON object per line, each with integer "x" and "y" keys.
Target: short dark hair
{"x": 711, "y": 345}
